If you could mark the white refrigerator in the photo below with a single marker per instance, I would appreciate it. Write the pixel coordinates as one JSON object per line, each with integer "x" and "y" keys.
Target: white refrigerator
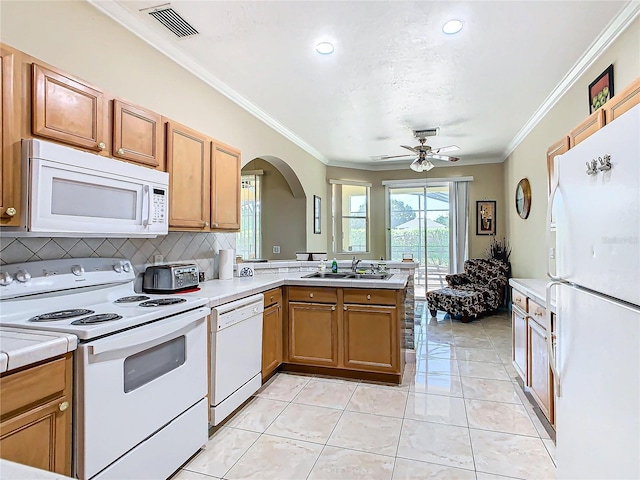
{"x": 595, "y": 203}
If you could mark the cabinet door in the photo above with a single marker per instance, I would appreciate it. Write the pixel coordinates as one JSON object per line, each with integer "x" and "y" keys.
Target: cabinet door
{"x": 371, "y": 338}
{"x": 188, "y": 164}
{"x": 271, "y": 339}
{"x": 558, "y": 148}
{"x": 592, "y": 124}
{"x": 539, "y": 373}
{"x": 38, "y": 437}
{"x": 137, "y": 135}
{"x": 9, "y": 142}
{"x": 225, "y": 188}
{"x": 519, "y": 332}
{"x": 67, "y": 110}
{"x": 623, "y": 101}
{"x": 313, "y": 334}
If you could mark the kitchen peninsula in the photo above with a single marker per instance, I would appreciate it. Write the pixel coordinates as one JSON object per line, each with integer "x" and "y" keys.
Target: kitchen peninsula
{"x": 342, "y": 327}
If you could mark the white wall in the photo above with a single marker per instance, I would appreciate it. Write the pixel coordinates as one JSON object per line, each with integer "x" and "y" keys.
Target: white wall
{"x": 529, "y": 159}
{"x": 75, "y": 37}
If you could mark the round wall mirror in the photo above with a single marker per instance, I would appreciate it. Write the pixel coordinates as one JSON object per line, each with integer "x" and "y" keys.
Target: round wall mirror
{"x": 523, "y": 198}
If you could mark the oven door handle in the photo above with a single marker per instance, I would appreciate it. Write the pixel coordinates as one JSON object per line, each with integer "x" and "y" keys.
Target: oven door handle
{"x": 142, "y": 338}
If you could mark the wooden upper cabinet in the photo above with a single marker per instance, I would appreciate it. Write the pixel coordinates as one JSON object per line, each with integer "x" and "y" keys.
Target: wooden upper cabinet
{"x": 225, "y": 187}
{"x": 188, "y": 164}
{"x": 137, "y": 135}
{"x": 623, "y": 101}
{"x": 590, "y": 125}
{"x": 9, "y": 140}
{"x": 67, "y": 110}
{"x": 558, "y": 148}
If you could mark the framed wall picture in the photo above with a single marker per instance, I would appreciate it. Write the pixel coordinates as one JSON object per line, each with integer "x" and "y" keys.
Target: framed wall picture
{"x": 316, "y": 213}
{"x": 601, "y": 89}
{"x": 486, "y": 217}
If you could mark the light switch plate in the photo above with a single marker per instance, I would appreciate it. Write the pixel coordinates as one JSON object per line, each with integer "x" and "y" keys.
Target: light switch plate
{"x": 276, "y": 249}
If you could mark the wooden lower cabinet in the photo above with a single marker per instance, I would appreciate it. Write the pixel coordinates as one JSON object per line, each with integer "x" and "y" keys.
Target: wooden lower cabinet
{"x": 539, "y": 373}
{"x": 371, "y": 337}
{"x": 355, "y": 332}
{"x": 272, "y": 332}
{"x": 35, "y": 416}
{"x": 519, "y": 332}
{"x": 313, "y": 334}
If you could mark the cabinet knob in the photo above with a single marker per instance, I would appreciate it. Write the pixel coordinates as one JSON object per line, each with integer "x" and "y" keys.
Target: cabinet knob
{"x": 368, "y": 297}
{"x": 63, "y": 406}
{"x": 10, "y": 212}
{"x": 102, "y": 145}
{"x": 333, "y": 307}
{"x": 121, "y": 151}
{"x": 215, "y": 224}
{"x": 271, "y": 298}
{"x": 311, "y": 295}
{"x": 344, "y": 308}
{"x": 206, "y": 224}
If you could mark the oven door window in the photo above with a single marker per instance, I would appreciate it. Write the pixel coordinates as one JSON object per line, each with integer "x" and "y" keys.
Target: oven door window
{"x": 144, "y": 367}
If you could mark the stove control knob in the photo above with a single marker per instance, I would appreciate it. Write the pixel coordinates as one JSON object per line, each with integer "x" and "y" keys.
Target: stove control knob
{"x": 126, "y": 266}
{"x": 5, "y": 279}
{"x": 117, "y": 267}
{"x": 23, "y": 276}
{"x": 77, "y": 270}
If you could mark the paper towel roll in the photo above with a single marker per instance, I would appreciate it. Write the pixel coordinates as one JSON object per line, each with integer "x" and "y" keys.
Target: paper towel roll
{"x": 226, "y": 264}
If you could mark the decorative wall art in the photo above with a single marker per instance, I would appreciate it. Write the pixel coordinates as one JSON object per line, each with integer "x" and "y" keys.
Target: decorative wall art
{"x": 601, "y": 89}
{"x": 486, "y": 217}
{"x": 316, "y": 213}
{"x": 523, "y": 198}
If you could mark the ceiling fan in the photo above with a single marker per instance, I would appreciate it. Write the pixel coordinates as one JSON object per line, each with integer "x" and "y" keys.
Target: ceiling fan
{"x": 425, "y": 153}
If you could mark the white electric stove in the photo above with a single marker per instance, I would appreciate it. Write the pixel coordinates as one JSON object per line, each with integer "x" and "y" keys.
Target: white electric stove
{"x": 140, "y": 370}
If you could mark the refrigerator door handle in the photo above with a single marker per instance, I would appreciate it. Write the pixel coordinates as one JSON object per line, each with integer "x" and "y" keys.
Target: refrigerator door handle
{"x": 549, "y": 339}
{"x": 554, "y": 189}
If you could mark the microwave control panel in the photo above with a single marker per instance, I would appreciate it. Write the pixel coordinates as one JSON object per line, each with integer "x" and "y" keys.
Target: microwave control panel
{"x": 159, "y": 205}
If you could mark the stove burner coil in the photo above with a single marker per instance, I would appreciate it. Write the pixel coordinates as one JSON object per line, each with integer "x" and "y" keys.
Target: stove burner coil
{"x": 132, "y": 299}
{"x": 61, "y": 315}
{"x": 99, "y": 318}
{"x": 160, "y": 302}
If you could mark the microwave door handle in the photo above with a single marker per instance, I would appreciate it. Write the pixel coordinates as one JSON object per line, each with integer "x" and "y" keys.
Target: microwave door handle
{"x": 146, "y": 216}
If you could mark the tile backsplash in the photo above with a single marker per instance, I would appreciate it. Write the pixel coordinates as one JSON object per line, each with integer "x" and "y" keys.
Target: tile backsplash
{"x": 200, "y": 248}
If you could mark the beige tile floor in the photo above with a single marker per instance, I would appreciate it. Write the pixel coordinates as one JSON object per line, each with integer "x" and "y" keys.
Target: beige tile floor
{"x": 459, "y": 414}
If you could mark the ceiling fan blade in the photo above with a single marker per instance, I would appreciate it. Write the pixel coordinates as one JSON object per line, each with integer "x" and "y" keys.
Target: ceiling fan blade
{"x": 389, "y": 157}
{"x": 446, "y": 158}
{"x": 448, "y": 148}
{"x": 410, "y": 148}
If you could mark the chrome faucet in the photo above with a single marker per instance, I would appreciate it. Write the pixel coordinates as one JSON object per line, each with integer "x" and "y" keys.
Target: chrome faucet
{"x": 354, "y": 264}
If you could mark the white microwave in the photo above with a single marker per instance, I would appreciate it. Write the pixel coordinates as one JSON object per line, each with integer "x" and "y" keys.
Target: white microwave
{"x": 71, "y": 193}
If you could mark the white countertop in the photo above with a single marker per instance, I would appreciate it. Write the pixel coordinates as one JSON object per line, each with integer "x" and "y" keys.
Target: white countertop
{"x": 21, "y": 347}
{"x": 535, "y": 289}
{"x": 17, "y": 471}
{"x": 224, "y": 291}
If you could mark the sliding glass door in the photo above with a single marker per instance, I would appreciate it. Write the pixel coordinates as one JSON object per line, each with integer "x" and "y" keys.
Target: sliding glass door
{"x": 420, "y": 224}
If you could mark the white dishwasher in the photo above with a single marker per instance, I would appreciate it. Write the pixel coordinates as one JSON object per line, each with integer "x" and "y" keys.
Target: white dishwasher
{"x": 236, "y": 354}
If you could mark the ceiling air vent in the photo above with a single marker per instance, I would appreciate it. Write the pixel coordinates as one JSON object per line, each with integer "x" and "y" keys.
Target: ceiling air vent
{"x": 171, "y": 19}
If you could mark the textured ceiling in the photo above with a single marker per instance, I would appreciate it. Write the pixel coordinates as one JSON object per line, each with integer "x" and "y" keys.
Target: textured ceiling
{"x": 393, "y": 69}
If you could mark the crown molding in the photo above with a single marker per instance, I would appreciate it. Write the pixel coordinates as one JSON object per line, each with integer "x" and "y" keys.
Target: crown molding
{"x": 626, "y": 16}
{"x": 124, "y": 17}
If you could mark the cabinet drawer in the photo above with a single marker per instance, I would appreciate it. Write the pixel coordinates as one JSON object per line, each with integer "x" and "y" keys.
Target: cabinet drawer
{"x": 313, "y": 294}
{"x": 538, "y": 312}
{"x": 29, "y": 387}
{"x": 519, "y": 299}
{"x": 272, "y": 297}
{"x": 364, "y": 296}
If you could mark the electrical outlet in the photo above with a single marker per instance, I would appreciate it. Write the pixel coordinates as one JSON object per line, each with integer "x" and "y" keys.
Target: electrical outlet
{"x": 158, "y": 259}
{"x": 276, "y": 249}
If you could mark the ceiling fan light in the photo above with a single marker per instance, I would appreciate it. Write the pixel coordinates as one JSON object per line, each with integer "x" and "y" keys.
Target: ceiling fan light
{"x": 417, "y": 165}
{"x": 452, "y": 27}
{"x": 428, "y": 165}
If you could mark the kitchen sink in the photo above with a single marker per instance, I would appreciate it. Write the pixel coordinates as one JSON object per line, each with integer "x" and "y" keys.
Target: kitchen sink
{"x": 351, "y": 276}
{"x": 327, "y": 275}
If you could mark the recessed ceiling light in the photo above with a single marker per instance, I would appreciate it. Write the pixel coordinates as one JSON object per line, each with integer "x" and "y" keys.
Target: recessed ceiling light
{"x": 452, "y": 26}
{"x": 324, "y": 48}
